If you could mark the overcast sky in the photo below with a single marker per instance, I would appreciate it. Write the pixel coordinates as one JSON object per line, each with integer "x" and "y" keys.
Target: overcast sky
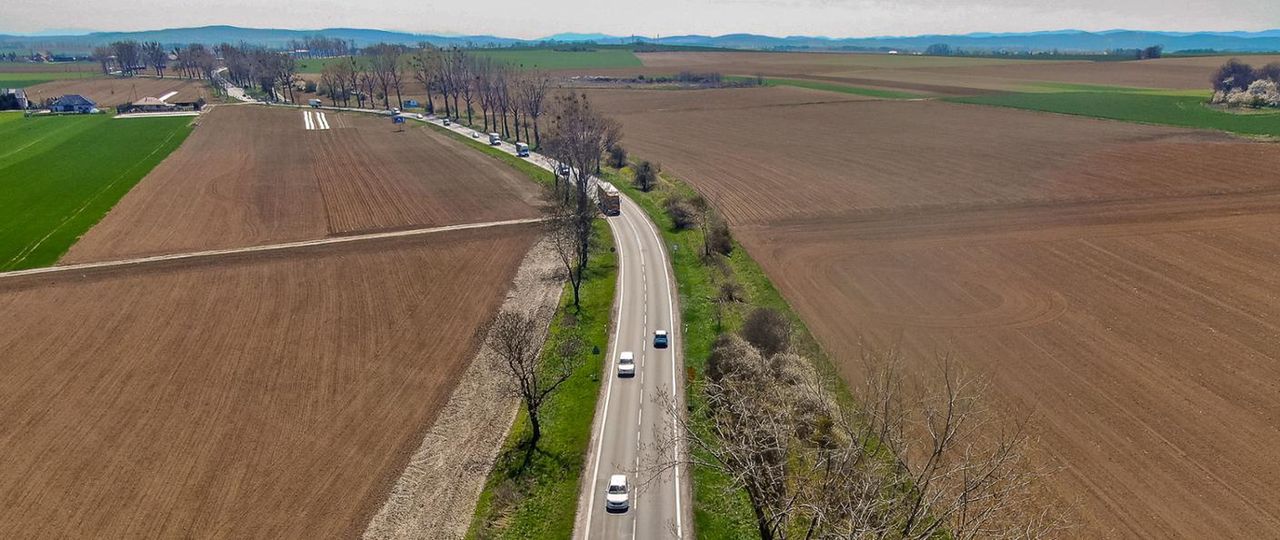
{"x": 537, "y": 18}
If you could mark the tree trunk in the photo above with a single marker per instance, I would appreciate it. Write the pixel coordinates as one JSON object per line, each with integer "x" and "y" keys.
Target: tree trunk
{"x": 537, "y": 139}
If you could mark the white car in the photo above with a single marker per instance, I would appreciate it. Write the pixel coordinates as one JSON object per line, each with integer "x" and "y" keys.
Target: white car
{"x": 475, "y": 134}
{"x": 627, "y": 364}
{"x": 446, "y": 121}
{"x": 618, "y": 497}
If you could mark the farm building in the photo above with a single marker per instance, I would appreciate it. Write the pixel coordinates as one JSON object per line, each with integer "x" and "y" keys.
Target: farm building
{"x": 74, "y": 103}
{"x": 13, "y": 98}
{"x": 151, "y": 104}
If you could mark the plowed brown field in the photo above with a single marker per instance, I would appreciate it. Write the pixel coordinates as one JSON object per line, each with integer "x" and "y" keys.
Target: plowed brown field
{"x": 254, "y": 175}
{"x": 112, "y": 91}
{"x": 1118, "y": 280}
{"x": 942, "y": 75}
{"x": 259, "y": 396}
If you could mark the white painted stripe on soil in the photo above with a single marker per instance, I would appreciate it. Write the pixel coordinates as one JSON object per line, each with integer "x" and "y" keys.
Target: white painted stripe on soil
{"x": 169, "y": 95}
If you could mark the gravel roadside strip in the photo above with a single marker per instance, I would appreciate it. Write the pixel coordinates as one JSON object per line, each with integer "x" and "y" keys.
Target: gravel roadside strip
{"x": 437, "y": 493}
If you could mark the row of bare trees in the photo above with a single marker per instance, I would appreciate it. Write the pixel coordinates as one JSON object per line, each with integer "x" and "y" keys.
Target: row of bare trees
{"x": 194, "y": 61}
{"x": 322, "y": 47}
{"x": 457, "y": 82}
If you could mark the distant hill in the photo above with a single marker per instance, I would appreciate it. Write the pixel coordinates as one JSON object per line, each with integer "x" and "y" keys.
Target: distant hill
{"x": 1066, "y": 41}
{"x": 268, "y": 37}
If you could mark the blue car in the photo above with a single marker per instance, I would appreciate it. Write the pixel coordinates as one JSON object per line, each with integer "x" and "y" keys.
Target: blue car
{"x": 660, "y": 339}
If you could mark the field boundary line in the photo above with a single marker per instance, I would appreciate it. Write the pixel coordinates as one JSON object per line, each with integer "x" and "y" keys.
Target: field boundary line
{"x": 263, "y": 248}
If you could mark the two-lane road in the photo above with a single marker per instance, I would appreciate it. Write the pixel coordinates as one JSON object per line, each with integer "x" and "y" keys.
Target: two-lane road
{"x": 628, "y": 417}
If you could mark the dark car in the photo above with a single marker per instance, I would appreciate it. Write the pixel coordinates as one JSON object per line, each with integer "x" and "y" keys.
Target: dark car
{"x": 660, "y": 339}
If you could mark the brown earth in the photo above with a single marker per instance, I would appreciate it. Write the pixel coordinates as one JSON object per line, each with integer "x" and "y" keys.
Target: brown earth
{"x": 112, "y": 91}
{"x": 1117, "y": 280}
{"x": 254, "y": 175}
{"x": 269, "y": 396}
{"x": 944, "y": 75}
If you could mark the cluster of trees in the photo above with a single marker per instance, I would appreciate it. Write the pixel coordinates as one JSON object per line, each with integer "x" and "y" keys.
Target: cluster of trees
{"x": 1237, "y": 84}
{"x": 1146, "y": 53}
{"x": 194, "y": 61}
{"x": 248, "y": 66}
{"x": 899, "y": 464}
{"x": 322, "y": 47}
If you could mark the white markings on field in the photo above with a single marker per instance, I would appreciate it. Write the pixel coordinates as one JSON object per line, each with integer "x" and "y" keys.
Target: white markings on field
{"x": 169, "y": 95}
{"x": 317, "y": 122}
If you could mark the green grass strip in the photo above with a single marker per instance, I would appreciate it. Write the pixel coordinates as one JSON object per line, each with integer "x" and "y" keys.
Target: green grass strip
{"x": 1137, "y": 105}
{"x": 841, "y": 88}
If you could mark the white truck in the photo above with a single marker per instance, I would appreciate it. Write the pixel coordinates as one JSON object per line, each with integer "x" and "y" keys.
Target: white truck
{"x": 522, "y": 149}
{"x": 314, "y": 103}
{"x": 495, "y": 139}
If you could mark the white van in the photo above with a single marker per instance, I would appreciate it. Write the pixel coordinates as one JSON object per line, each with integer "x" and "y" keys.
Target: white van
{"x": 618, "y": 497}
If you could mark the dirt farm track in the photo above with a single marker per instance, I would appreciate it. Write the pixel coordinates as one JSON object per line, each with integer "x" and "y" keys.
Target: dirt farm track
{"x": 1118, "y": 281}
{"x": 272, "y": 394}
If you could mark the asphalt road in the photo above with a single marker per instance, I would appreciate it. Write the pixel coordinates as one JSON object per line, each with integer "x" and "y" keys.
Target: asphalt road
{"x": 630, "y": 412}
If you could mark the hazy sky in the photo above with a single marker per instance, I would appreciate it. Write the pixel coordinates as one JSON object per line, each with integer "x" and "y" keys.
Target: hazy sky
{"x": 537, "y": 18}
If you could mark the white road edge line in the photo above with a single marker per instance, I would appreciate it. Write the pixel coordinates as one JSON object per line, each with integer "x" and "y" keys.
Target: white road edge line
{"x": 608, "y": 392}
{"x": 672, "y": 317}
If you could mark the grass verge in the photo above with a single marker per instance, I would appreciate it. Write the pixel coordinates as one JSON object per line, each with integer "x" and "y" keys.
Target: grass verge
{"x": 60, "y": 175}
{"x": 540, "y": 501}
{"x": 1167, "y": 107}
{"x": 721, "y": 511}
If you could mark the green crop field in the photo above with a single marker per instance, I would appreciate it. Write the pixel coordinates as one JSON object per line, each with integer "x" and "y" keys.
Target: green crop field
{"x": 1176, "y": 108}
{"x": 23, "y": 79}
{"x": 60, "y": 175}
{"x": 553, "y": 59}
{"x": 842, "y": 88}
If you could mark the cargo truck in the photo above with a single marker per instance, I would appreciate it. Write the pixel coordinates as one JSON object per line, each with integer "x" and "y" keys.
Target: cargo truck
{"x": 314, "y": 103}
{"x": 610, "y": 204}
{"x": 495, "y": 139}
{"x": 522, "y": 149}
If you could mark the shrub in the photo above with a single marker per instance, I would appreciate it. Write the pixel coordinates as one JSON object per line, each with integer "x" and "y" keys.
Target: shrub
{"x": 718, "y": 239}
{"x": 683, "y": 214}
{"x": 617, "y": 156}
{"x": 646, "y": 175}
{"x": 768, "y": 330}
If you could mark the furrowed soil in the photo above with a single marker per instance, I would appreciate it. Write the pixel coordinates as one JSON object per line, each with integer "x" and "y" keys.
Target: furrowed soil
{"x": 944, "y": 75}
{"x": 1116, "y": 280}
{"x": 111, "y": 91}
{"x": 254, "y": 175}
{"x": 269, "y": 395}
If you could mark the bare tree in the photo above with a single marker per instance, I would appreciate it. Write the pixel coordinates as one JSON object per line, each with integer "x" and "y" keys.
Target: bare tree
{"x": 570, "y": 230}
{"x": 529, "y": 375}
{"x": 104, "y": 55}
{"x": 424, "y": 63}
{"x": 534, "y": 95}
{"x": 156, "y": 55}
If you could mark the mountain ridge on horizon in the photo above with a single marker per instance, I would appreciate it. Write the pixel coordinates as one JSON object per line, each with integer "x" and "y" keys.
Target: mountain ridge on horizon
{"x": 1069, "y": 40}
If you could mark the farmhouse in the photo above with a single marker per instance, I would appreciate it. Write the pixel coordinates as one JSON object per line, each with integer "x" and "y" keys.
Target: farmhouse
{"x": 13, "y": 98}
{"x": 74, "y": 103}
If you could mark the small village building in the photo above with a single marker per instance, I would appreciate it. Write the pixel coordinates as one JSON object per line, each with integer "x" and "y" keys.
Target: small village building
{"x": 74, "y": 103}
{"x": 15, "y": 97}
